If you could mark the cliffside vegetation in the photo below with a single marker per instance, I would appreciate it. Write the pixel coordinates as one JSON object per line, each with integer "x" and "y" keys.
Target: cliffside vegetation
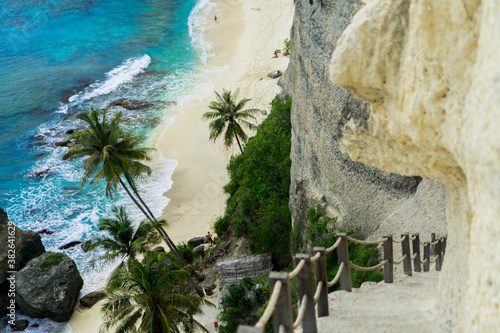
{"x": 257, "y": 207}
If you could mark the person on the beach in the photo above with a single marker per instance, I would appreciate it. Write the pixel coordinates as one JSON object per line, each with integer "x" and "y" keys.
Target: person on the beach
{"x": 215, "y": 18}
{"x": 275, "y": 54}
{"x": 208, "y": 238}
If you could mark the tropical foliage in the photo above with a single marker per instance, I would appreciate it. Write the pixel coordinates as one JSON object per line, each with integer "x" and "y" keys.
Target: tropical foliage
{"x": 150, "y": 298}
{"x": 257, "y": 207}
{"x": 122, "y": 239}
{"x": 228, "y": 116}
{"x": 111, "y": 152}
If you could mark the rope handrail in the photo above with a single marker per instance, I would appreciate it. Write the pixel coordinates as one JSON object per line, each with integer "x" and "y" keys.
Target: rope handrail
{"x": 270, "y": 306}
{"x": 337, "y": 277}
{"x": 422, "y": 243}
{"x": 315, "y": 257}
{"x": 413, "y": 238}
{"x": 397, "y": 262}
{"x": 318, "y": 291}
{"x": 399, "y": 241}
{"x": 414, "y": 256}
{"x": 297, "y": 269}
{"x": 366, "y": 269}
{"x": 302, "y": 311}
{"x": 434, "y": 260}
{"x": 424, "y": 262}
{"x": 379, "y": 241}
{"x": 435, "y": 242}
{"x": 334, "y": 246}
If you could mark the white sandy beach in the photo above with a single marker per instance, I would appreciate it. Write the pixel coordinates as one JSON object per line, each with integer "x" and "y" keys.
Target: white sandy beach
{"x": 244, "y": 37}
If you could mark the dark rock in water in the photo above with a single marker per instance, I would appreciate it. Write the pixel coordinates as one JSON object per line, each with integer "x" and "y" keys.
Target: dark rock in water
{"x": 45, "y": 231}
{"x": 35, "y": 325}
{"x": 40, "y": 174}
{"x": 19, "y": 325}
{"x": 131, "y": 104}
{"x": 274, "y": 74}
{"x": 194, "y": 242}
{"x": 48, "y": 286}
{"x": 70, "y": 244}
{"x": 28, "y": 246}
{"x": 159, "y": 249}
{"x": 40, "y": 155}
{"x": 62, "y": 143}
{"x": 70, "y": 131}
{"x": 85, "y": 245}
{"x": 91, "y": 299}
{"x": 199, "y": 251}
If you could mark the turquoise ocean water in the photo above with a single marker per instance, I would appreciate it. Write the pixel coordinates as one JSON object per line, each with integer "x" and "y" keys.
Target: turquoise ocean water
{"x": 60, "y": 57}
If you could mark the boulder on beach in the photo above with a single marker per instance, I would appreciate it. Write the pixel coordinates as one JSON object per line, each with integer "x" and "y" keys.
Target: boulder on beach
{"x": 91, "y": 299}
{"x": 199, "y": 251}
{"x": 28, "y": 245}
{"x": 274, "y": 74}
{"x": 48, "y": 286}
{"x": 194, "y": 242}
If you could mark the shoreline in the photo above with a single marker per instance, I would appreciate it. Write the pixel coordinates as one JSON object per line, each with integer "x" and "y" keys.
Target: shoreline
{"x": 244, "y": 38}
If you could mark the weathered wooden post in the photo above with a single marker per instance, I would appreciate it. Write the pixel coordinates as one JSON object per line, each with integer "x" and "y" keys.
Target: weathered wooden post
{"x": 282, "y": 314}
{"x": 320, "y": 272}
{"x": 427, "y": 256}
{"x": 416, "y": 250}
{"x": 305, "y": 286}
{"x": 433, "y": 239}
{"x": 343, "y": 257}
{"x": 405, "y": 246}
{"x": 439, "y": 254}
{"x": 389, "y": 265}
{"x": 443, "y": 249}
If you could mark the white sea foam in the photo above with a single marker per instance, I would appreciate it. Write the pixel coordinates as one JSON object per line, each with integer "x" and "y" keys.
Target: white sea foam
{"x": 115, "y": 78}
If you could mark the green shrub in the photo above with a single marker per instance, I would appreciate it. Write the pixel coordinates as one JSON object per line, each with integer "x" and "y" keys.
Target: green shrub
{"x": 286, "y": 45}
{"x": 52, "y": 259}
{"x": 186, "y": 252}
{"x": 222, "y": 225}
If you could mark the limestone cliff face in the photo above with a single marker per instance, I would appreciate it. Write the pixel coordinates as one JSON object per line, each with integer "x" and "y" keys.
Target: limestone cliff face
{"x": 373, "y": 201}
{"x": 431, "y": 73}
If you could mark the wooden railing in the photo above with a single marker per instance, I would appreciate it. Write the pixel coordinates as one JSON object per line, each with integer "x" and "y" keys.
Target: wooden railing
{"x": 314, "y": 299}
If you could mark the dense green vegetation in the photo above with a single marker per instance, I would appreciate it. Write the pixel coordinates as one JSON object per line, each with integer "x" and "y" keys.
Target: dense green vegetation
{"x": 243, "y": 304}
{"x": 257, "y": 208}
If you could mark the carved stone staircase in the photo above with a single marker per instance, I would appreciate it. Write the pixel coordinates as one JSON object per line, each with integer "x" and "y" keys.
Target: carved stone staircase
{"x": 407, "y": 305}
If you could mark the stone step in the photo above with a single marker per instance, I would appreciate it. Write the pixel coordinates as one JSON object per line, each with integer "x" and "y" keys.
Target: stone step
{"x": 407, "y": 305}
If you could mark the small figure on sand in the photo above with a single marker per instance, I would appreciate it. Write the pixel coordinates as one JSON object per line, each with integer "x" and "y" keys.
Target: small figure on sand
{"x": 276, "y": 53}
{"x": 215, "y": 18}
{"x": 208, "y": 238}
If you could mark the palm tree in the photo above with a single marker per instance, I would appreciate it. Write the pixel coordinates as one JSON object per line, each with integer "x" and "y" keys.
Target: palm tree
{"x": 110, "y": 152}
{"x": 227, "y": 117}
{"x": 122, "y": 240}
{"x": 148, "y": 298}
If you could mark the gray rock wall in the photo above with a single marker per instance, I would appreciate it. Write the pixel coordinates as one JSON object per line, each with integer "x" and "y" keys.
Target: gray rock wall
{"x": 364, "y": 198}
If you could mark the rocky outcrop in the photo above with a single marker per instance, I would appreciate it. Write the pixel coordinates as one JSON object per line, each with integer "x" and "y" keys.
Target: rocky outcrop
{"x": 430, "y": 71}
{"x": 195, "y": 241}
{"x": 363, "y": 197}
{"x": 91, "y": 299}
{"x": 27, "y": 245}
{"x": 49, "y": 287}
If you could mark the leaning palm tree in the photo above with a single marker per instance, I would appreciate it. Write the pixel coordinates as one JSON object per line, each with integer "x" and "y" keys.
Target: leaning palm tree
{"x": 110, "y": 153}
{"x": 122, "y": 239}
{"x": 227, "y": 118}
{"x": 150, "y": 298}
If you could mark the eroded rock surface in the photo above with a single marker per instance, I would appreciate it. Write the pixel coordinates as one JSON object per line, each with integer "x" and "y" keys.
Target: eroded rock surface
{"x": 48, "y": 286}
{"x": 430, "y": 71}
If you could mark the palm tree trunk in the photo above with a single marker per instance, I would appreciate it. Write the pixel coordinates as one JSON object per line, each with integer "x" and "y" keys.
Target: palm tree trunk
{"x": 162, "y": 232}
{"x": 237, "y": 139}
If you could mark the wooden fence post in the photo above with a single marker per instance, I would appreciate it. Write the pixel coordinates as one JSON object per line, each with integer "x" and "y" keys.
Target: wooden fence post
{"x": 305, "y": 286}
{"x": 433, "y": 239}
{"x": 443, "y": 249}
{"x": 388, "y": 267}
{"x": 282, "y": 314}
{"x": 343, "y": 257}
{"x": 427, "y": 256}
{"x": 416, "y": 249}
{"x": 439, "y": 254}
{"x": 320, "y": 272}
{"x": 405, "y": 246}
